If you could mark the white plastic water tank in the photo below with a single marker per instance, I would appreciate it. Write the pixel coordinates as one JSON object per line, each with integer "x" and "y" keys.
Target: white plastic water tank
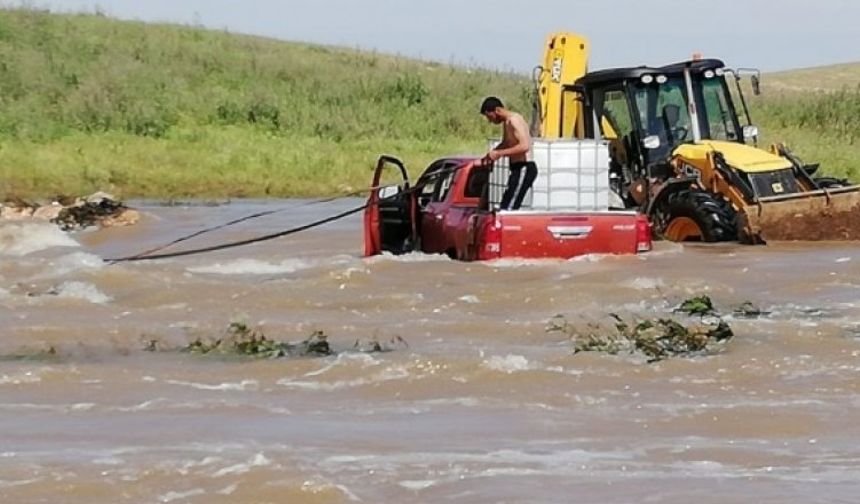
{"x": 573, "y": 174}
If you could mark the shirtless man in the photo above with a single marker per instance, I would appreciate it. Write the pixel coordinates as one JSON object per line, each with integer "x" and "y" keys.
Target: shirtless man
{"x": 515, "y": 144}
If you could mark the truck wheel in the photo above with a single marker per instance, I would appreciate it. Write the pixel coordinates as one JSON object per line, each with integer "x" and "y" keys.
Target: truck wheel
{"x": 697, "y": 216}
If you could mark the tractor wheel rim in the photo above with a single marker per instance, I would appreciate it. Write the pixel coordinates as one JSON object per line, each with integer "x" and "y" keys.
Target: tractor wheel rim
{"x": 683, "y": 229}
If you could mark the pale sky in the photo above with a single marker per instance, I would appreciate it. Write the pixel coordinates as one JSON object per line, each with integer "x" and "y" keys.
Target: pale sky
{"x": 509, "y": 34}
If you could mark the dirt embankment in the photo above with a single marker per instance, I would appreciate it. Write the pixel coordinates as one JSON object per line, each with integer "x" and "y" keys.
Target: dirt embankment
{"x": 98, "y": 209}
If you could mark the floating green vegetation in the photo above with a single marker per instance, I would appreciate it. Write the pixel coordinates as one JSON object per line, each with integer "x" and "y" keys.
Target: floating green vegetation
{"x": 240, "y": 339}
{"x": 699, "y": 305}
{"x": 655, "y": 338}
{"x": 243, "y": 341}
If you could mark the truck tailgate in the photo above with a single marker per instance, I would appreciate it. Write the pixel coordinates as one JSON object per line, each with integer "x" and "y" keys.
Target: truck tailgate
{"x": 565, "y": 235}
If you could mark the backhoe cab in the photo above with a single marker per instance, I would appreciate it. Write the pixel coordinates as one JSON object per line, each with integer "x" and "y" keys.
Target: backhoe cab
{"x": 681, "y": 153}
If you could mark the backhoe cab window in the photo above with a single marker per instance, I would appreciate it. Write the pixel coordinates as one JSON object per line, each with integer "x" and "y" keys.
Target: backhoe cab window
{"x": 674, "y": 119}
{"x": 615, "y": 115}
{"x": 663, "y": 112}
{"x": 721, "y": 119}
{"x": 662, "y": 109}
{"x": 616, "y": 124}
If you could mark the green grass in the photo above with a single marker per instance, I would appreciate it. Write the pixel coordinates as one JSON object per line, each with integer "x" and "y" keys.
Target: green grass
{"x": 816, "y": 112}
{"x": 163, "y": 111}
{"x": 203, "y": 161}
{"x": 145, "y": 110}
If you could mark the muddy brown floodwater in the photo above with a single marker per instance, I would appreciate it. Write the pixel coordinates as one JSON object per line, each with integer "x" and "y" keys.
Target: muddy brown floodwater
{"x": 483, "y": 406}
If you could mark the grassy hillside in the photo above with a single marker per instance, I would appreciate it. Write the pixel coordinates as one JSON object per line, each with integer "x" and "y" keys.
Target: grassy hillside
{"x": 816, "y": 111}
{"x": 91, "y": 103}
{"x": 165, "y": 111}
{"x": 823, "y": 78}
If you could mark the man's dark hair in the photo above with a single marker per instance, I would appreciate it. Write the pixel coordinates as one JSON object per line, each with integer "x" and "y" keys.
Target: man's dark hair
{"x": 490, "y": 104}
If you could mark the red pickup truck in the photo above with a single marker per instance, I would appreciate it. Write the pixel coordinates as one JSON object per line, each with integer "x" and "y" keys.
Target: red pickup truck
{"x": 449, "y": 210}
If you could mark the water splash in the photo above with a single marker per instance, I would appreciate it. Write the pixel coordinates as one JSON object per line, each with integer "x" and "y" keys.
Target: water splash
{"x": 253, "y": 267}
{"x": 23, "y": 239}
{"x": 82, "y": 290}
{"x": 509, "y": 364}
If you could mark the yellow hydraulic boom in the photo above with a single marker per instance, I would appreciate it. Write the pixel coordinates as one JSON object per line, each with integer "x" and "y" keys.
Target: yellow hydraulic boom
{"x": 558, "y": 111}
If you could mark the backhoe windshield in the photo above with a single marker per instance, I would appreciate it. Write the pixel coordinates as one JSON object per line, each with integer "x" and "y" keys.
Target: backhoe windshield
{"x": 662, "y": 109}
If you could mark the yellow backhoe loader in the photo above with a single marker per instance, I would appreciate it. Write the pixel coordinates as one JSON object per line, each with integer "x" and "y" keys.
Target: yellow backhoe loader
{"x": 684, "y": 154}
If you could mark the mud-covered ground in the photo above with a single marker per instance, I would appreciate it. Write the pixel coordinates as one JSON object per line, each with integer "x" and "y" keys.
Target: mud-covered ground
{"x": 475, "y": 402}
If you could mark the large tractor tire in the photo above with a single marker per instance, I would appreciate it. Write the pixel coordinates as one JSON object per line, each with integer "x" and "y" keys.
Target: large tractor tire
{"x": 697, "y": 216}
{"x": 831, "y": 182}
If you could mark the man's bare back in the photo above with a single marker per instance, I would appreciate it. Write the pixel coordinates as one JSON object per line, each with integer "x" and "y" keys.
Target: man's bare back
{"x": 515, "y": 135}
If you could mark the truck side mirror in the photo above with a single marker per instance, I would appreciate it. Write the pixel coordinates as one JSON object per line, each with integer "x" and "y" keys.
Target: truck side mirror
{"x": 750, "y": 132}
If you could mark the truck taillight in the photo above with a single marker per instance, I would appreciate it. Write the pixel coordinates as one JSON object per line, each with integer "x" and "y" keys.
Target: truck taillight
{"x": 643, "y": 234}
{"x": 491, "y": 240}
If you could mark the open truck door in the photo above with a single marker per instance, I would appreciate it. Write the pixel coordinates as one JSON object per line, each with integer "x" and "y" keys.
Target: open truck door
{"x": 389, "y": 219}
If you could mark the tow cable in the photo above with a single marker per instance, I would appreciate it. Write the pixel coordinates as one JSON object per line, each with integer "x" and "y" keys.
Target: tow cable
{"x": 149, "y": 255}
{"x": 213, "y": 248}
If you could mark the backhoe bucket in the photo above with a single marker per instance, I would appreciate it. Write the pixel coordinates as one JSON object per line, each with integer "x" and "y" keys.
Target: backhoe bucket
{"x": 827, "y": 214}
